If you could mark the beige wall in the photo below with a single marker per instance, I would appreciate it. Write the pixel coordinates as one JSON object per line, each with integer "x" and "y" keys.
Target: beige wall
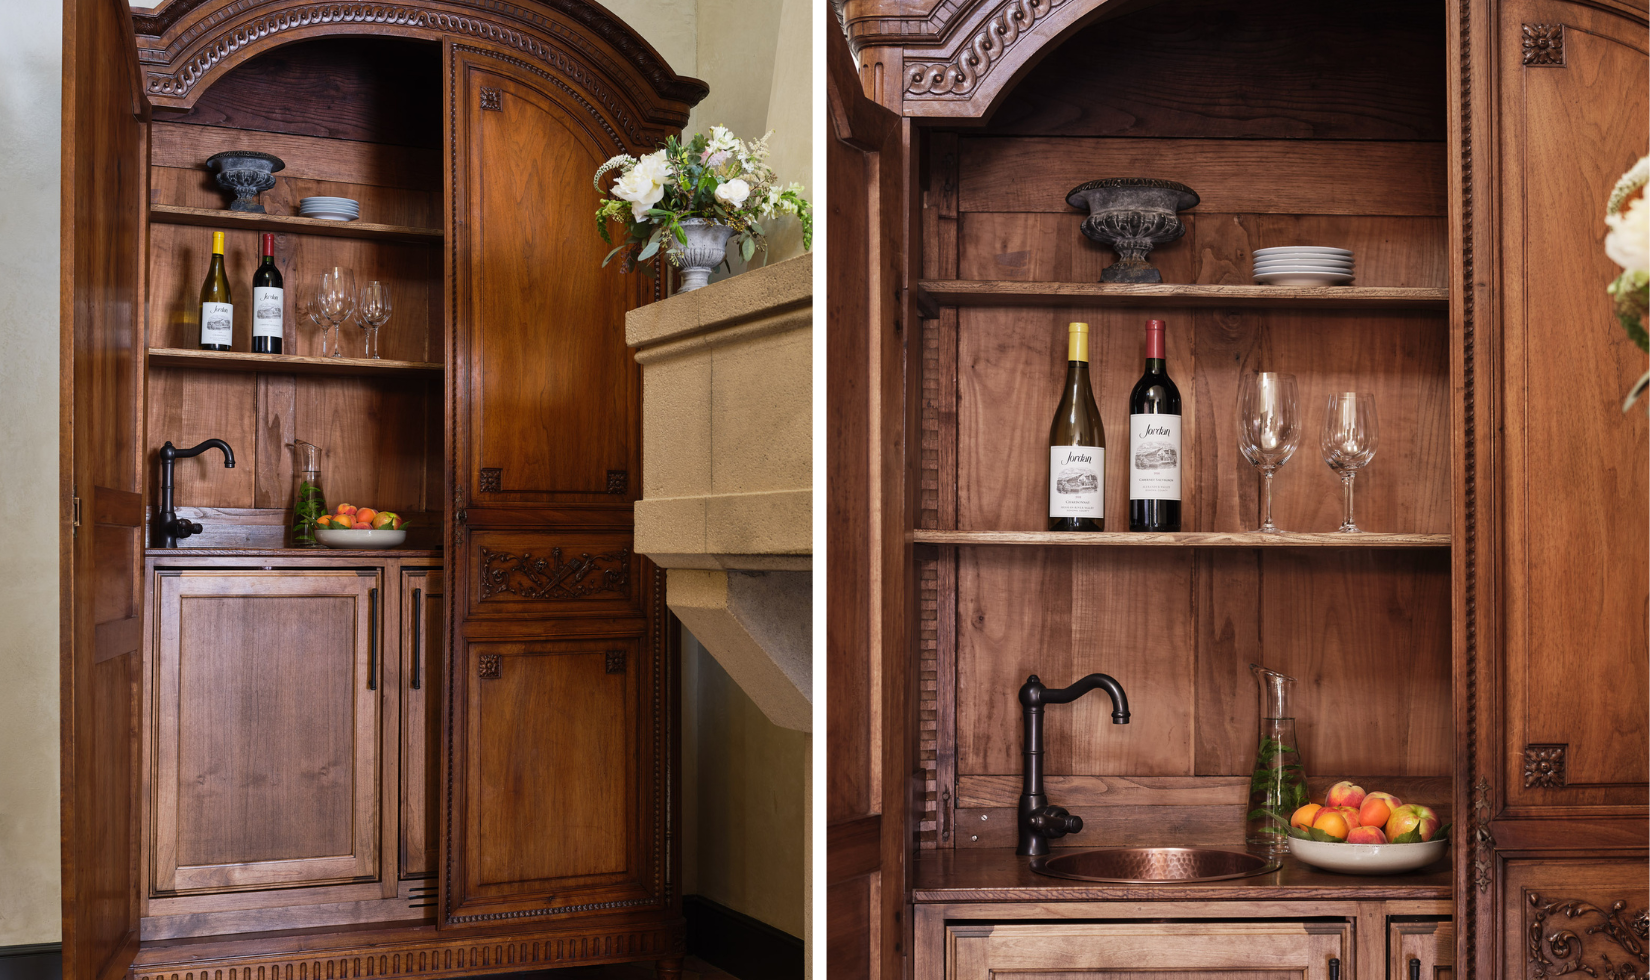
{"x": 30, "y": 120}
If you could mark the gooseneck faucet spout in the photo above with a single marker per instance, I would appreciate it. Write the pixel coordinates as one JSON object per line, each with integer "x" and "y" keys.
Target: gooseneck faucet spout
{"x": 1041, "y": 821}
{"x": 170, "y": 527}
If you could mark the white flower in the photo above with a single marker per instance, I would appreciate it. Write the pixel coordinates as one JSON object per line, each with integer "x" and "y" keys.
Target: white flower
{"x": 644, "y": 185}
{"x": 733, "y": 192}
{"x": 722, "y": 138}
{"x": 1628, "y": 243}
{"x": 654, "y": 167}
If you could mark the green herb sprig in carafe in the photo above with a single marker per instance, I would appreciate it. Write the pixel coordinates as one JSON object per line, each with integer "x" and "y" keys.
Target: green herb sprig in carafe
{"x": 308, "y": 501}
{"x": 1277, "y": 787}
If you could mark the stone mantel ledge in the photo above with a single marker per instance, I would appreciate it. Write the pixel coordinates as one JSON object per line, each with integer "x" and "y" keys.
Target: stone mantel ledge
{"x": 727, "y": 422}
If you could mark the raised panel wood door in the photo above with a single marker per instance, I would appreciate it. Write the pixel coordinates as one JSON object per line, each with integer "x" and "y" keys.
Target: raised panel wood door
{"x": 560, "y": 725}
{"x": 1150, "y": 951}
{"x": 266, "y": 730}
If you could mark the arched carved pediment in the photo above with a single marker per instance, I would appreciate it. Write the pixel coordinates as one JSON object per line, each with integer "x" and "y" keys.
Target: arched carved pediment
{"x": 186, "y": 44}
{"x": 955, "y": 58}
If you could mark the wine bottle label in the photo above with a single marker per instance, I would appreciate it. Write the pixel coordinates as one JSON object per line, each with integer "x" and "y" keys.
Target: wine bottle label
{"x": 268, "y": 307}
{"x": 1076, "y": 481}
{"x": 217, "y": 323}
{"x": 1154, "y": 457}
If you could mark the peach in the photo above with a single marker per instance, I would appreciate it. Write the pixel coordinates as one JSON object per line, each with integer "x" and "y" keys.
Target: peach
{"x": 1377, "y": 808}
{"x": 1366, "y": 835}
{"x": 1302, "y": 818}
{"x": 323, "y": 521}
{"x": 386, "y": 518}
{"x": 366, "y": 514}
{"x": 360, "y": 526}
{"x": 398, "y": 522}
{"x": 345, "y": 509}
{"x": 1344, "y": 793}
{"x": 1412, "y": 816}
{"x": 1332, "y": 822}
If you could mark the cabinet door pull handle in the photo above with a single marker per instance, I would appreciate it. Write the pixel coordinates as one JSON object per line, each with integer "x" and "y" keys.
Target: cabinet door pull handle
{"x": 372, "y": 639}
{"x": 418, "y": 635}
{"x": 1414, "y": 969}
{"x": 1334, "y": 968}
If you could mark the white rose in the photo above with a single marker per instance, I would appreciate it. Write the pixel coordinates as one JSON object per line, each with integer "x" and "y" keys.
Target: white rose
{"x": 1628, "y": 243}
{"x": 654, "y": 167}
{"x": 733, "y": 192}
{"x": 642, "y": 191}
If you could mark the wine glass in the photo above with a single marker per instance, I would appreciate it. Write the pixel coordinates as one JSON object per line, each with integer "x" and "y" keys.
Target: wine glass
{"x": 373, "y": 310}
{"x": 312, "y": 310}
{"x": 1350, "y": 434}
{"x": 336, "y": 298}
{"x": 1269, "y": 429}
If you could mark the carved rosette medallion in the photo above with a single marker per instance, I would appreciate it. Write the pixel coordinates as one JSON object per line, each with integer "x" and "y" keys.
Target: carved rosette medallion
{"x": 618, "y": 482}
{"x": 1544, "y": 44}
{"x": 492, "y": 100}
{"x": 1544, "y": 766}
{"x": 1610, "y": 943}
{"x": 491, "y": 478}
{"x": 489, "y": 666}
{"x": 615, "y": 661}
{"x": 527, "y": 577}
{"x": 960, "y": 75}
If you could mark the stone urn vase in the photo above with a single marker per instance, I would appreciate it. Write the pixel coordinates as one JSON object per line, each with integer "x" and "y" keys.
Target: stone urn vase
{"x": 245, "y": 174}
{"x": 707, "y": 246}
{"x": 1133, "y": 215}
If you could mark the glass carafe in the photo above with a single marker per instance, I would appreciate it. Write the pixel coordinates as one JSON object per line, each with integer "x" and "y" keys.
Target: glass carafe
{"x": 1277, "y": 788}
{"x": 308, "y": 502}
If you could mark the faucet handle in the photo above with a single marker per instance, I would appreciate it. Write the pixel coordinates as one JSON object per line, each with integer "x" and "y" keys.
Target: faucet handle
{"x": 1055, "y": 821}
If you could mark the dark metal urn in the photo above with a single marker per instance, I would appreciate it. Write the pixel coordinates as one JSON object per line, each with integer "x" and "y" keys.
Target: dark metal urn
{"x": 1133, "y": 215}
{"x": 245, "y": 174}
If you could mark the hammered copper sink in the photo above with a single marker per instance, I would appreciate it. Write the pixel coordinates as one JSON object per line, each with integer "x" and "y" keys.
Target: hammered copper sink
{"x": 1145, "y": 865}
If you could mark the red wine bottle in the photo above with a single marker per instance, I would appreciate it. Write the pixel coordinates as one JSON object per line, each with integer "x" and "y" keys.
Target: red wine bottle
{"x": 268, "y": 303}
{"x": 1154, "y": 442}
{"x": 1077, "y": 447}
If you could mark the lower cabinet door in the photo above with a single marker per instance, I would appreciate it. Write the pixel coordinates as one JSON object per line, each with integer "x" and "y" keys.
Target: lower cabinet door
{"x": 266, "y": 716}
{"x": 1149, "y": 950}
{"x": 423, "y": 601}
{"x": 1421, "y": 950}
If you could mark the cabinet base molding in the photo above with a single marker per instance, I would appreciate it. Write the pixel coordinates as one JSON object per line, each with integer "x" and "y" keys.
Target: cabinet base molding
{"x": 422, "y": 955}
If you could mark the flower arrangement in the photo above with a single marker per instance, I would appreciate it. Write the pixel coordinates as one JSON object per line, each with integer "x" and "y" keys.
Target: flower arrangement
{"x": 717, "y": 178}
{"x": 1628, "y": 245}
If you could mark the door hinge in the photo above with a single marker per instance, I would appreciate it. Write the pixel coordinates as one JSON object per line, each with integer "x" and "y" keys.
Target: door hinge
{"x": 74, "y": 526}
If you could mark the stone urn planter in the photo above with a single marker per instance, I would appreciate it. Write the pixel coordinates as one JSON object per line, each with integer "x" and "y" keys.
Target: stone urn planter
{"x": 1132, "y": 215}
{"x": 245, "y": 174}
{"x": 707, "y": 246}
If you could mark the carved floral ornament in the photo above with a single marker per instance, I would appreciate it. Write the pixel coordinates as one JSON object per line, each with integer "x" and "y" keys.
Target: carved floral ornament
{"x": 1609, "y": 946}
{"x": 961, "y": 74}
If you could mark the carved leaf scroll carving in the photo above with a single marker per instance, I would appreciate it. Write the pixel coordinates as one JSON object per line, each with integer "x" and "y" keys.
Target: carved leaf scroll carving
{"x": 1556, "y": 949}
{"x": 553, "y": 578}
{"x": 962, "y": 73}
{"x": 1544, "y": 44}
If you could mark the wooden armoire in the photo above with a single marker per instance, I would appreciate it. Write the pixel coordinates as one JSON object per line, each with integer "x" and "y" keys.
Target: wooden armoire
{"x": 450, "y": 758}
{"x": 1483, "y": 649}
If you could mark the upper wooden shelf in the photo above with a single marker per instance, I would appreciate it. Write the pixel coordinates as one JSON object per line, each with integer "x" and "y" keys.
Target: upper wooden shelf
{"x": 1183, "y": 539}
{"x": 214, "y": 360}
{"x": 997, "y": 292}
{"x": 218, "y": 218}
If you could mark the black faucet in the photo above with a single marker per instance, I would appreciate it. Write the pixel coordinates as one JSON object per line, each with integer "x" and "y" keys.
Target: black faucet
{"x": 171, "y": 527}
{"x": 1040, "y": 820}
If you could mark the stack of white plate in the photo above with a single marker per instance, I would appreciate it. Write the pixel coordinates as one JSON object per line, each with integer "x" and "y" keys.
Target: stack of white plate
{"x": 1303, "y": 265}
{"x": 330, "y": 208}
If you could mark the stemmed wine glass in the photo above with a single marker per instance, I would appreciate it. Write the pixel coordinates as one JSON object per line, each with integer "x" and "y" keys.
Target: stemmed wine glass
{"x": 1350, "y": 435}
{"x": 336, "y": 301}
{"x": 1269, "y": 429}
{"x": 312, "y": 310}
{"x": 373, "y": 310}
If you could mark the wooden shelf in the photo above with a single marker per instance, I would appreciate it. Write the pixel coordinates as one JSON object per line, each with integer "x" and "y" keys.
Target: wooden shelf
{"x": 216, "y": 218}
{"x": 988, "y": 292}
{"x": 1182, "y": 539}
{"x": 213, "y": 360}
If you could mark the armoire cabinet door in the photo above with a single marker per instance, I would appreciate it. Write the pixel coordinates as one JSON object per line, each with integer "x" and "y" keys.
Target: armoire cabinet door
{"x": 423, "y": 610}
{"x": 560, "y": 727}
{"x": 1166, "y": 951}
{"x": 266, "y": 717}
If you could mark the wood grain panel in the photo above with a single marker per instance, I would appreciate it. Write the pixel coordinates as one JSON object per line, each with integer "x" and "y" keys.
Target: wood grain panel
{"x": 372, "y": 433}
{"x": 1303, "y": 176}
{"x": 186, "y": 407}
{"x": 1071, "y": 951}
{"x": 306, "y": 157}
{"x": 424, "y": 664}
{"x": 1196, "y": 68}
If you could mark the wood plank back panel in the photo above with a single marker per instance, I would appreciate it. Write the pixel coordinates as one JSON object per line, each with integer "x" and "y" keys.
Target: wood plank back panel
{"x": 1575, "y": 471}
{"x": 98, "y": 563}
{"x": 1306, "y": 71}
{"x": 306, "y": 157}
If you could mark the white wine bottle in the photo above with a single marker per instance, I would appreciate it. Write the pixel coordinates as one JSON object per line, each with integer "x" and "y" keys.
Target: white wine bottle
{"x": 1077, "y": 447}
{"x": 217, "y": 309}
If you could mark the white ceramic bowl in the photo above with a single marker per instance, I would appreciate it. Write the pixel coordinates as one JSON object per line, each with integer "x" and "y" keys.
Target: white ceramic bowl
{"x": 1303, "y": 278}
{"x": 1368, "y": 859}
{"x": 360, "y": 540}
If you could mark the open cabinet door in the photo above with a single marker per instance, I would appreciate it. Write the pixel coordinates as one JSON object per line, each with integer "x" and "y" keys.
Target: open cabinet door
{"x": 101, "y": 488}
{"x": 561, "y": 706}
{"x": 870, "y": 711}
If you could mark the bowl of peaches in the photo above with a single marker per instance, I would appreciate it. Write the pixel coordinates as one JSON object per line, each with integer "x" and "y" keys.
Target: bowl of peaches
{"x": 360, "y": 528}
{"x": 1359, "y": 833}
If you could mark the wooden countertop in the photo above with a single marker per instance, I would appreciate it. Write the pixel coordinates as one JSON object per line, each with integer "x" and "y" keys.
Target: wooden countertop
{"x": 293, "y": 553}
{"x": 994, "y": 874}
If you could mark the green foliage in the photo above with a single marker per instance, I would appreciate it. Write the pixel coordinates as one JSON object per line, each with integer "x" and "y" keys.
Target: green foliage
{"x": 310, "y": 505}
